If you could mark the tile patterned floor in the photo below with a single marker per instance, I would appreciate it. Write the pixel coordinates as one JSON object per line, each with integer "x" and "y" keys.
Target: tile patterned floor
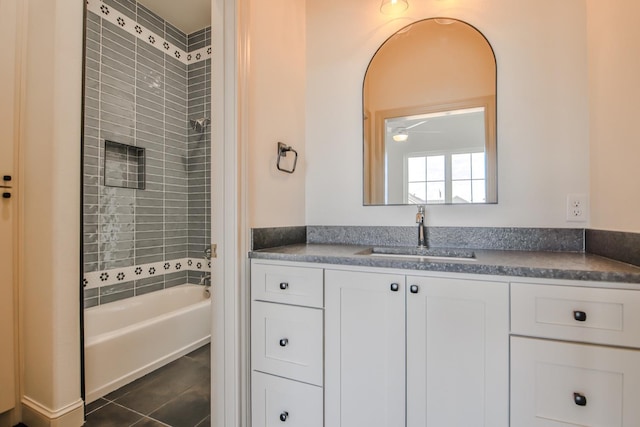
{"x": 176, "y": 395}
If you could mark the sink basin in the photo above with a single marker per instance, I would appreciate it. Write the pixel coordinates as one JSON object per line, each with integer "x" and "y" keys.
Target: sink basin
{"x": 441, "y": 254}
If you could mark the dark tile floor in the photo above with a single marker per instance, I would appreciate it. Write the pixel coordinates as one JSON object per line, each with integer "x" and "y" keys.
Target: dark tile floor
{"x": 176, "y": 395}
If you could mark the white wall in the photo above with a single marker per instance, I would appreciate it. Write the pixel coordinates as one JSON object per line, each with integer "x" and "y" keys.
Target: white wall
{"x": 543, "y": 148}
{"x": 276, "y": 111}
{"x": 49, "y": 197}
{"x": 614, "y": 67}
{"x": 9, "y": 126}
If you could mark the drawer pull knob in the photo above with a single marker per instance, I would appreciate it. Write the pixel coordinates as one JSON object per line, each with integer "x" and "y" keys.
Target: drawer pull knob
{"x": 284, "y": 285}
{"x": 284, "y": 342}
{"x": 413, "y": 289}
{"x": 580, "y": 316}
{"x": 580, "y": 399}
{"x": 395, "y": 287}
{"x": 283, "y": 416}
{"x": 6, "y": 195}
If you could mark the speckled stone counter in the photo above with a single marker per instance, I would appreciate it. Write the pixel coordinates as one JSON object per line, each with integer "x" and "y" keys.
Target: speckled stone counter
{"x": 551, "y": 265}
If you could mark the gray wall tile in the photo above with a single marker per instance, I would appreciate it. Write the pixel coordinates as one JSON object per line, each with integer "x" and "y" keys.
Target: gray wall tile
{"x": 127, "y": 7}
{"x": 137, "y": 95}
{"x": 150, "y": 20}
{"x": 116, "y": 296}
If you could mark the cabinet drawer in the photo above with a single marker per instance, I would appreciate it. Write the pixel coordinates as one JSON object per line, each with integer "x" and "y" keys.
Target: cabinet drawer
{"x": 601, "y": 316}
{"x": 563, "y": 384}
{"x": 287, "y": 341}
{"x": 286, "y": 284}
{"x": 281, "y": 402}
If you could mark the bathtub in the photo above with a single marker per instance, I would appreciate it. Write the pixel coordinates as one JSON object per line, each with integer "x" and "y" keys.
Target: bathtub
{"x": 127, "y": 339}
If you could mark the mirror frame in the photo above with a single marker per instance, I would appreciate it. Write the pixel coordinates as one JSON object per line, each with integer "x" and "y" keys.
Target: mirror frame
{"x": 375, "y": 150}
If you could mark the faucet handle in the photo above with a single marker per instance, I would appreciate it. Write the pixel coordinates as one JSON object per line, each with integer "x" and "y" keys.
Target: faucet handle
{"x": 420, "y": 214}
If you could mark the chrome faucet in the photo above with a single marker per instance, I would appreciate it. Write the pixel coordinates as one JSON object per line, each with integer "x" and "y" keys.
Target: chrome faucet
{"x": 205, "y": 280}
{"x": 422, "y": 235}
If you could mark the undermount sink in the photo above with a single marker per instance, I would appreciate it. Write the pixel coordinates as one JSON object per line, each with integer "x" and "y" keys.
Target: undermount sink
{"x": 443, "y": 254}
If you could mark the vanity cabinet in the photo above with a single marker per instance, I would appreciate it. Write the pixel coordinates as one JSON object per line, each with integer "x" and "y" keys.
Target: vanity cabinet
{"x": 286, "y": 345}
{"x": 574, "y": 357}
{"x": 415, "y": 351}
{"x": 338, "y": 346}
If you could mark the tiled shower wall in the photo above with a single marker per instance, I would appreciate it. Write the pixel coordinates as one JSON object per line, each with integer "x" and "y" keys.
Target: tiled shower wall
{"x": 199, "y": 152}
{"x": 136, "y": 94}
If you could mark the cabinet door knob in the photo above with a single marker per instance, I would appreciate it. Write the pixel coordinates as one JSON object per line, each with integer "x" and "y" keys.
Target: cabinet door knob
{"x": 395, "y": 287}
{"x": 284, "y": 285}
{"x": 6, "y": 177}
{"x": 414, "y": 289}
{"x": 580, "y": 399}
{"x": 283, "y": 416}
{"x": 580, "y": 316}
{"x": 6, "y": 195}
{"x": 284, "y": 342}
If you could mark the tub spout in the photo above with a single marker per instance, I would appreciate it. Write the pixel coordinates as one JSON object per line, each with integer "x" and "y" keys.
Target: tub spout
{"x": 205, "y": 280}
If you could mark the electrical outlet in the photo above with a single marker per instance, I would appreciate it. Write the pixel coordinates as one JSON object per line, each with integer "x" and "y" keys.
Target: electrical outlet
{"x": 577, "y": 208}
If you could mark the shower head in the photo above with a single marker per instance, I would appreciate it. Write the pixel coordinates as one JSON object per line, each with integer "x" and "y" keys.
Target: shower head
{"x": 200, "y": 125}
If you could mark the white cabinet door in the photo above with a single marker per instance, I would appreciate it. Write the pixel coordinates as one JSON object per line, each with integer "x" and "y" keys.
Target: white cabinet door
{"x": 457, "y": 353}
{"x": 556, "y": 384}
{"x": 364, "y": 349}
{"x": 281, "y": 402}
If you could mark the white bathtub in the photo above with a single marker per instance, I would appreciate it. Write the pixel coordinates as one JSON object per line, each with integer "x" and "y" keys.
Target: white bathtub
{"x": 127, "y": 339}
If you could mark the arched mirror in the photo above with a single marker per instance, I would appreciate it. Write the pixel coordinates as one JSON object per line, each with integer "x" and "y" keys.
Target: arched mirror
{"x": 429, "y": 104}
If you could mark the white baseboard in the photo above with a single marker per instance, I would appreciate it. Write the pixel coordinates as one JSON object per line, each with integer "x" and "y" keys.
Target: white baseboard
{"x": 36, "y": 415}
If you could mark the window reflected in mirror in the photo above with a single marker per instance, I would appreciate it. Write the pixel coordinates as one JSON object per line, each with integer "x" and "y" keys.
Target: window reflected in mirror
{"x": 429, "y": 117}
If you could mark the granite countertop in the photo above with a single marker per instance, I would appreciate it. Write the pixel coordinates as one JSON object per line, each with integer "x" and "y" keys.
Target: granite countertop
{"x": 551, "y": 265}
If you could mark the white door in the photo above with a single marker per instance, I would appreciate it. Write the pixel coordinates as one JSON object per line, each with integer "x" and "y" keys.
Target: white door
{"x": 457, "y": 353}
{"x": 8, "y": 106}
{"x": 364, "y": 349}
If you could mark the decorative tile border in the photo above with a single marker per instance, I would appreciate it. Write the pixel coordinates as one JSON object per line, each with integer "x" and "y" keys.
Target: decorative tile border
{"x": 96, "y": 279}
{"x": 130, "y": 26}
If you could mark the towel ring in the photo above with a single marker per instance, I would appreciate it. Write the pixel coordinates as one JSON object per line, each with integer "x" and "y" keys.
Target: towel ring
{"x": 282, "y": 152}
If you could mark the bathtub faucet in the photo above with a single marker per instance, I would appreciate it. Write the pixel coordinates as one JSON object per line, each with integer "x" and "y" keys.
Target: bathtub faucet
{"x": 206, "y": 281}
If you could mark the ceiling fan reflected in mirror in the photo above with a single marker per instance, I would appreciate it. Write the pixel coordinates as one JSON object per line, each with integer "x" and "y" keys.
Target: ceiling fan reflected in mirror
{"x": 401, "y": 134}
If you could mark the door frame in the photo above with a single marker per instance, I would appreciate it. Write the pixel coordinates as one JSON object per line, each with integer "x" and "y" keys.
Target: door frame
{"x": 229, "y": 367}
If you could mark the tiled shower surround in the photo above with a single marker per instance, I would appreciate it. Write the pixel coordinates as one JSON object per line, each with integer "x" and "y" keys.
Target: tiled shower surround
{"x": 138, "y": 94}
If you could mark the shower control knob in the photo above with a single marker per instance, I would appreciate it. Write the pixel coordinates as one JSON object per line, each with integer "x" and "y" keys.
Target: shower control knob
{"x": 284, "y": 342}
{"x": 284, "y": 286}
{"x": 284, "y": 416}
